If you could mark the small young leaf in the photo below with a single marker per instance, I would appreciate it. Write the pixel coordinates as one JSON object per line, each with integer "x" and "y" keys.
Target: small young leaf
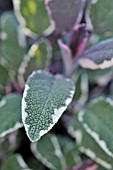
{"x": 32, "y": 15}
{"x": 51, "y": 156}
{"x": 13, "y": 42}
{"x": 97, "y": 121}
{"x": 45, "y": 98}
{"x": 14, "y": 162}
{"x": 101, "y": 14}
{"x": 10, "y": 114}
{"x": 65, "y": 14}
{"x": 98, "y": 56}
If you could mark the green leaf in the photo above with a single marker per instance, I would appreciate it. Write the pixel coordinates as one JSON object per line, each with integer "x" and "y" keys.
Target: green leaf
{"x": 99, "y": 56}
{"x": 32, "y": 15}
{"x": 97, "y": 121}
{"x": 87, "y": 144}
{"x": 14, "y": 162}
{"x": 81, "y": 82}
{"x": 48, "y": 151}
{"x": 70, "y": 151}
{"x": 65, "y": 14}
{"x": 13, "y": 41}
{"x": 38, "y": 57}
{"x": 3, "y": 76}
{"x": 10, "y": 114}
{"x": 45, "y": 98}
{"x": 101, "y": 14}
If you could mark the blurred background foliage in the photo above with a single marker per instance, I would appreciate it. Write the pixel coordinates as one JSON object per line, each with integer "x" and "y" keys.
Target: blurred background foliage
{"x": 29, "y": 35}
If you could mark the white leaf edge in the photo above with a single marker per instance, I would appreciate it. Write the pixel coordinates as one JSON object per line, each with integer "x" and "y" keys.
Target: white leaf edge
{"x": 57, "y": 152}
{"x": 92, "y": 133}
{"x": 17, "y": 125}
{"x": 57, "y": 112}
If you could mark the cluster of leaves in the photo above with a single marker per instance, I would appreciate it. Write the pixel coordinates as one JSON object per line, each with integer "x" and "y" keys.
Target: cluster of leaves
{"x": 56, "y": 56}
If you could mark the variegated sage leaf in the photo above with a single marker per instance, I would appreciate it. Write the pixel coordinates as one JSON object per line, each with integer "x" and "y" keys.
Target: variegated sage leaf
{"x": 53, "y": 152}
{"x": 14, "y": 162}
{"x": 10, "y": 114}
{"x": 99, "y": 56}
{"x": 32, "y": 15}
{"x": 97, "y": 121}
{"x": 45, "y": 98}
{"x": 65, "y": 14}
{"x": 87, "y": 144}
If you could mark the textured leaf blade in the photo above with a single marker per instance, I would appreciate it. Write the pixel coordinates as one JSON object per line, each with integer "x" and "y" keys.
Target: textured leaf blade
{"x": 65, "y": 14}
{"x": 32, "y": 14}
{"x": 13, "y": 42}
{"x": 14, "y": 162}
{"x": 45, "y": 98}
{"x": 98, "y": 56}
{"x": 52, "y": 153}
{"x": 97, "y": 121}
{"x": 10, "y": 114}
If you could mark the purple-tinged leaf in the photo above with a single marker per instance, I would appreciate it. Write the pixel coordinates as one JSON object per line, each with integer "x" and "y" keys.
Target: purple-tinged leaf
{"x": 99, "y": 56}
{"x": 65, "y": 14}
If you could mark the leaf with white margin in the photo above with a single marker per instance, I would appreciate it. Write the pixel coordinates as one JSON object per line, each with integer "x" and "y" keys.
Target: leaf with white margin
{"x": 38, "y": 57}
{"x": 99, "y": 56}
{"x": 88, "y": 145}
{"x": 100, "y": 15}
{"x": 65, "y": 14}
{"x": 45, "y": 98}
{"x": 32, "y": 15}
{"x": 51, "y": 155}
{"x": 10, "y": 114}
{"x": 14, "y": 162}
{"x": 13, "y": 42}
{"x": 97, "y": 120}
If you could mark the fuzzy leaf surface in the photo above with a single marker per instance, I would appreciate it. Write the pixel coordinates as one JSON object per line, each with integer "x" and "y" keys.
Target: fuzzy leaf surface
{"x": 45, "y": 98}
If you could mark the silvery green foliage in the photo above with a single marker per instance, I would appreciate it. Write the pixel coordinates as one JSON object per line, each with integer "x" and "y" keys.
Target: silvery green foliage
{"x": 14, "y": 162}
{"x": 45, "y": 98}
{"x": 99, "y": 56}
{"x": 10, "y": 114}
